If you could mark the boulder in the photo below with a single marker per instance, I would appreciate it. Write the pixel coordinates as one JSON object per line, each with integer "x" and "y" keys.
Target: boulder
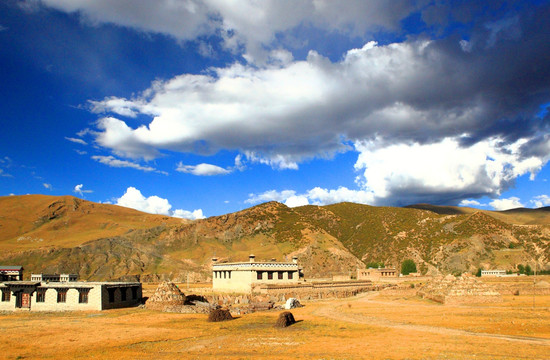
{"x": 292, "y": 303}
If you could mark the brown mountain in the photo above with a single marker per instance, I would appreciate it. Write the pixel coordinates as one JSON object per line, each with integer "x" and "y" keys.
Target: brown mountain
{"x": 100, "y": 241}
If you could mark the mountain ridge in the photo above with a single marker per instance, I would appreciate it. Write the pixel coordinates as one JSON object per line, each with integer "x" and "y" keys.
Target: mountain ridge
{"x": 102, "y": 241}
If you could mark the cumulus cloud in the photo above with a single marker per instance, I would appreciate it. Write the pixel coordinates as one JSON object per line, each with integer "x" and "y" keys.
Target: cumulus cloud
{"x": 202, "y": 169}
{"x": 315, "y": 196}
{"x": 540, "y": 201}
{"x": 450, "y": 95}
{"x": 48, "y": 186}
{"x": 442, "y": 172}
{"x": 211, "y": 170}
{"x": 79, "y": 189}
{"x": 471, "y": 203}
{"x": 506, "y": 204}
{"x": 134, "y": 199}
{"x": 114, "y": 162}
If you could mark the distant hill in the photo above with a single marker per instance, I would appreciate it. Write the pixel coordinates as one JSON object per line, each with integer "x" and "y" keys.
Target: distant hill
{"x": 100, "y": 241}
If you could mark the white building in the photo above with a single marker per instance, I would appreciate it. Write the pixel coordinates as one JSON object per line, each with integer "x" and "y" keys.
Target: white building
{"x": 244, "y": 276}
{"x": 493, "y": 273}
{"x": 62, "y": 296}
{"x": 54, "y": 277}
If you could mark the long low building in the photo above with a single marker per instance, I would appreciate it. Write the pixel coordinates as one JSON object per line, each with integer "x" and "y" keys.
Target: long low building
{"x": 244, "y": 276}
{"x": 63, "y": 296}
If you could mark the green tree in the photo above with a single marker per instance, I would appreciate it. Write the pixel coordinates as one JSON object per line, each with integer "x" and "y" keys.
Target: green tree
{"x": 521, "y": 269}
{"x": 408, "y": 266}
{"x": 528, "y": 270}
{"x": 478, "y": 273}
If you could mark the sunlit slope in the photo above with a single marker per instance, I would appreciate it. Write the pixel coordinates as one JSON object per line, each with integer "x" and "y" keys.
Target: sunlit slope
{"x": 38, "y": 221}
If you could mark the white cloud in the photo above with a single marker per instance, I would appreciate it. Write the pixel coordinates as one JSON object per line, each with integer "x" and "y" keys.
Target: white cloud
{"x": 442, "y": 172}
{"x": 506, "y": 204}
{"x": 540, "y": 201}
{"x": 202, "y": 169}
{"x": 79, "y": 189}
{"x": 295, "y": 201}
{"x": 133, "y": 198}
{"x": 3, "y": 28}
{"x": 315, "y": 196}
{"x": 191, "y": 215}
{"x": 75, "y": 140}
{"x": 114, "y": 162}
{"x": 471, "y": 203}
{"x": 48, "y": 186}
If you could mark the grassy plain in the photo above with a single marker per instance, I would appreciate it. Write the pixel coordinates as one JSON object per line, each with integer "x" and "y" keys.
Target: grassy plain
{"x": 385, "y": 325}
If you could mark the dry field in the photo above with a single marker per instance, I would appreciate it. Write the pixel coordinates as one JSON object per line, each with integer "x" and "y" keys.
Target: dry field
{"x": 386, "y": 325}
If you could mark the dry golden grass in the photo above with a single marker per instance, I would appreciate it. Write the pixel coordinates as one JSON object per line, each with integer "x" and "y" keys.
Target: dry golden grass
{"x": 371, "y": 326}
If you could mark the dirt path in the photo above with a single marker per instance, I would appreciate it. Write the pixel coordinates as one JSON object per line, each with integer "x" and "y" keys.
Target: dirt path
{"x": 338, "y": 314}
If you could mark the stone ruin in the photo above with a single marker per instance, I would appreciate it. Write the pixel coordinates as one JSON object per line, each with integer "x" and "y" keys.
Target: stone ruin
{"x": 167, "y": 295}
{"x": 459, "y": 290}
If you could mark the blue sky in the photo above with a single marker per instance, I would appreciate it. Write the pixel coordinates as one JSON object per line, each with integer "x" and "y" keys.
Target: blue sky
{"x": 200, "y": 108}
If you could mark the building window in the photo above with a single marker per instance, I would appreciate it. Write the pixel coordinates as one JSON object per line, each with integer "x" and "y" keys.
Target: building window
{"x": 40, "y": 295}
{"x": 134, "y": 293}
{"x": 280, "y": 275}
{"x": 123, "y": 294}
{"x": 111, "y": 293}
{"x": 6, "y": 295}
{"x": 229, "y": 274}
{"x": 83, "y": 296}
{"x": 259, "y": 275}
{"x": 61, "y": 295}
{"x": 290, "y": 275}
{"x": 270, "y": 275}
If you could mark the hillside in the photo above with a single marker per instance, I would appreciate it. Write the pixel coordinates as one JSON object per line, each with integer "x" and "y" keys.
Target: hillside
{"x": 100, "y": 241}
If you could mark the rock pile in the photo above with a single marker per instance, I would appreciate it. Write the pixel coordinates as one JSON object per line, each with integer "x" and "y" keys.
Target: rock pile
{"x": 459, "y": 290}
{"x": 285, "y": 319}
{"x": 219, "y": 315}
{"x": 167, "y": 295}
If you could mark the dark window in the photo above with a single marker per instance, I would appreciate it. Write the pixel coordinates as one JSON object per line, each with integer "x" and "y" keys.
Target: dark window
{"x": 123, "y": 294}
{"x": 6, "y": 295}
{"x": 290, "y": 275}
{"x": 61, "y": 295}
{"x": 270, "y": 275}
{"x": 280, "y": 275}
{"x": 83, "y": 296}
{"x": 229, "y": 274}
{"x": 111, "y": 293}
{"x": 259, "y": 275}
{"x": 40, "y": 295}
{"x": 134, "y": 293}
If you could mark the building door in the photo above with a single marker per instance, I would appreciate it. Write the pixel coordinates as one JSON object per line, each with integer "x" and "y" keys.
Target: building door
{"x": 26, "y": 300}
{"x": 22, "y": 300}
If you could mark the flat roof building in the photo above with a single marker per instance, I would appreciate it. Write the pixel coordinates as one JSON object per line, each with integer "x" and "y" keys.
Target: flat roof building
{"x": 375, "y": 274}
{"x": 70, "y": 295}
{"x": 11, "y": 273}
{"x": 54, "y": 277}
{"x": 244, "y": 276}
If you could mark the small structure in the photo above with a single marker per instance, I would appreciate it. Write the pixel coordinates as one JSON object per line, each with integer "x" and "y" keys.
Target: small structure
{"x": 493, "y": 273}
{"x": 54, "y": 277}
{"x": 61, "y": 296}
{"x": 11, "y": 273}
{"x": 166, "y": 295}
{"x": 376, "y": 274}
{"x": 244, "y": 276}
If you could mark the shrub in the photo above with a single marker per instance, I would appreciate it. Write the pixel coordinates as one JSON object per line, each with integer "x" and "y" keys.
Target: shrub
{"x": 408, "y": 266}
{"x": 285, "y": 319}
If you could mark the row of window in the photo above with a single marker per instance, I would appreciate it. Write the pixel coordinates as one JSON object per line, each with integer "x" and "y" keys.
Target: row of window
{"x": 82, "y": 295}
{"x": 280, "y": 274}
